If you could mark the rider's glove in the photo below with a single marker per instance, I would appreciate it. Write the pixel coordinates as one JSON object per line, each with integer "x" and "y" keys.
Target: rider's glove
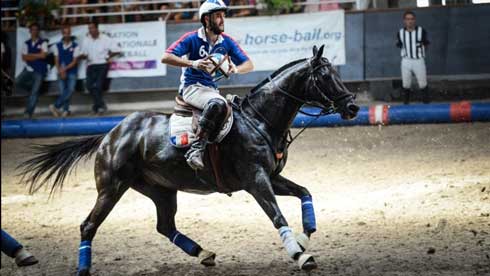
{"x": 202, "y": 64}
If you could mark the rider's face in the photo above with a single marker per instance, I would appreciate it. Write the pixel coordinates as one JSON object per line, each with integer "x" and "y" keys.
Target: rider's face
{"x": 217, "y": 22}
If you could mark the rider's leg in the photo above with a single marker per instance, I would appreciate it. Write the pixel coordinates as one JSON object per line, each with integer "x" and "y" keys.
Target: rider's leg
{"x": 212, "y": 118}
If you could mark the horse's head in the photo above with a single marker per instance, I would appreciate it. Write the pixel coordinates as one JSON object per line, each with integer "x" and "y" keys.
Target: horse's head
{"x": 325, "y": 88}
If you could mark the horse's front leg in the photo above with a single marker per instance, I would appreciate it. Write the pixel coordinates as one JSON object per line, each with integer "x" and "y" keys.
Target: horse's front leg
{"x": 261, "y": 190}
{"x": 285, "y": 187}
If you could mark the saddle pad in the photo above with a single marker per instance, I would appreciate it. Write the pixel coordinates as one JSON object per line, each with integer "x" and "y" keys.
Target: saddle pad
{"x": 182, "y": 135}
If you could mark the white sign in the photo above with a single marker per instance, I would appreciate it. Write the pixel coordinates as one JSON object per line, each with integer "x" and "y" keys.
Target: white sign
{"x": 143, "y": 45}
{"x": 273, "y": 41}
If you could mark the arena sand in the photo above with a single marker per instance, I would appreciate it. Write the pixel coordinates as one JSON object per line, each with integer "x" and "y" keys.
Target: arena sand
{"x": 395, "y": 200}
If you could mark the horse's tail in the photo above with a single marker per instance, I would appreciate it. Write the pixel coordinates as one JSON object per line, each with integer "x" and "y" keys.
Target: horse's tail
{"x": 56, "y": 159}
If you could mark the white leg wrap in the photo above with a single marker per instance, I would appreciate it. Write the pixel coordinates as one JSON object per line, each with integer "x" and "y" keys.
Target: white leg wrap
{"x": 289, "y": 241}
{"x": 303, "y": 240}
{"x": 303, "y": 259}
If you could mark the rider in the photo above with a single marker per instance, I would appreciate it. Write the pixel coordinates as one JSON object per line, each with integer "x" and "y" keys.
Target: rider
{"x": 197, "y": 86}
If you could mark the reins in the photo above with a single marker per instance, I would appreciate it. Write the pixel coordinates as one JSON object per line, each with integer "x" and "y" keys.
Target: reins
{"x": 289, "y": 139}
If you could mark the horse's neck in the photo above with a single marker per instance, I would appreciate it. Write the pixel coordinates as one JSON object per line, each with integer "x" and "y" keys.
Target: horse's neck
{"x": 278, "y": 109}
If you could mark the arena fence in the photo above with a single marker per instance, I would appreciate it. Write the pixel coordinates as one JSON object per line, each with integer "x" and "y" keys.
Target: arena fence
{"x": 123, "y": 8}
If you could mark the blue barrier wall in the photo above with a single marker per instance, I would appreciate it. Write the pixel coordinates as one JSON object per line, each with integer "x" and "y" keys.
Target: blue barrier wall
{"x": 380, "y": 114}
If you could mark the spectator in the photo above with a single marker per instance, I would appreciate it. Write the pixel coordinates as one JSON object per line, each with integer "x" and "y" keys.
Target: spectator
{"x": 131, "y": 6}
{"x": 187, "y": 15}
{"x": 72, "y": 10}
{"x": 98, "y": 49}
{"x": 14, "y": 249}
{"x": 242, "y": 12}
{"x": 163, "y": 7}
{"x": 34, "y": 52}
{"x": 7, "y": 82}
{"x": 6, "y": 61}
{"x": 412, "y": 40}
{"x": 96, "y": 9}
{"x": 66, "y": 54}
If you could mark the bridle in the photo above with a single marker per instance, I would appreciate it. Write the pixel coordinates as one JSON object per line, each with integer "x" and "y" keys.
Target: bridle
{"x": 313, "y": 82}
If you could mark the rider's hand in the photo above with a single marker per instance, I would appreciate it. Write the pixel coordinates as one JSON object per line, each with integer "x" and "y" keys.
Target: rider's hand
{"x": 232, "y": 68}
{"x": 202, "y": 64}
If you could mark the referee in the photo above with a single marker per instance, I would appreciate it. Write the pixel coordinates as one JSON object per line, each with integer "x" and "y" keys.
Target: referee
{"x": 412, "y": 40}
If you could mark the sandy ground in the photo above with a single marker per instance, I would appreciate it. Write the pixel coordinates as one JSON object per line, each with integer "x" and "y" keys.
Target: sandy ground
{"x": 384, "y": 197}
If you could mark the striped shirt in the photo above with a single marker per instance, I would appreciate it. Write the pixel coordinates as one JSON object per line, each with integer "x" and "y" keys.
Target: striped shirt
{"x": 412, "y": 43}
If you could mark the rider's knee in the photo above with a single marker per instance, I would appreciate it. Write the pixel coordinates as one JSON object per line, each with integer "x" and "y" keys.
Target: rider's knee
{"x": 217, "y": 105}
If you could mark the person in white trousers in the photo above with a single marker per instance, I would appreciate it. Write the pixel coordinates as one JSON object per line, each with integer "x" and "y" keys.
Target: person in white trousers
{"x": 412, "y": 41}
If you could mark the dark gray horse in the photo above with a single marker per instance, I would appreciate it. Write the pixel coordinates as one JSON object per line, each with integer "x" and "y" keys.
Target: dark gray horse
{"x": 137, "y": 154}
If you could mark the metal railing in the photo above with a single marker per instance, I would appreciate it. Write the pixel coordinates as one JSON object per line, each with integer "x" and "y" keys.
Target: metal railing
{"x": 124, "y": 8}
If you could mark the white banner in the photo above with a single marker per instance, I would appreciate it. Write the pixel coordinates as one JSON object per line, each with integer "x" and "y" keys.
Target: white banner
{"x": 143, "y": 45}
{"x": 273, "y": 41}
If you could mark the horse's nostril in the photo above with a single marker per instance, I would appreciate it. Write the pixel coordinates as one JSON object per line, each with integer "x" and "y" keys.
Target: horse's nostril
{"x": 352, "y": 108}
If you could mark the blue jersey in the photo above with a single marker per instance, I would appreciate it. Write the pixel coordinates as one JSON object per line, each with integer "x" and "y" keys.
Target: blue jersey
{"x": 195, "y": 46}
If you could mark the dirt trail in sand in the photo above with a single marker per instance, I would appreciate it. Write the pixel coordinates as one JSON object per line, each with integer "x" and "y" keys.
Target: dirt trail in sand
{"x": 383, "y": 197}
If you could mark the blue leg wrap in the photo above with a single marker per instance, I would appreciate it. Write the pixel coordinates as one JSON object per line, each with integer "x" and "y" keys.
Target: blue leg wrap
{"x": 309, "y": 222}
{"x": 189, "y": 246}
{"x": 85, "y": 255}
{"x": 9, "y": 245}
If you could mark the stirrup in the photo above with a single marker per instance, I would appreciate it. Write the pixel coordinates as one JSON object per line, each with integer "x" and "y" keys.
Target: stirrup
{"x": 194, "y": 158}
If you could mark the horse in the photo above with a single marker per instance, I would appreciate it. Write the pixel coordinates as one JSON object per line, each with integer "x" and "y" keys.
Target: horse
{"x": 137, "y": 154}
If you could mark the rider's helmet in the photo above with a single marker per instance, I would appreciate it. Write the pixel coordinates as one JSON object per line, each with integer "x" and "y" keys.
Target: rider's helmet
{"x": 210, "y": 6}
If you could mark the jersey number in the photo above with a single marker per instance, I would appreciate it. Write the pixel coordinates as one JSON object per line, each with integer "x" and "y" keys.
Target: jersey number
{"x": 202, "y": 51}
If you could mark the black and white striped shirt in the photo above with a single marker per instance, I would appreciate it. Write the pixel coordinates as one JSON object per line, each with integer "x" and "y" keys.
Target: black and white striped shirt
{"x": 412, "y": 43}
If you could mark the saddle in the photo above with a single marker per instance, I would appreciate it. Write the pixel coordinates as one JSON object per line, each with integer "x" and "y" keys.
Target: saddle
{"x": 184, "y": 126}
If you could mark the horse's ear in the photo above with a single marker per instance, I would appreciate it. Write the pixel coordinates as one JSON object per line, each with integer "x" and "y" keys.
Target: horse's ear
{"x": 319, "y": 54}
{"x": 315, "y": 50}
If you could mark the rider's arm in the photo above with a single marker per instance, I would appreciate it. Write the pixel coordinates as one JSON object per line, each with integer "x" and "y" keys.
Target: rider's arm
{"x": 180, "y": 48}
{"x": 245, "y": 67}
{"x": 239, "y": 58}
{"x": 174, "y": 60}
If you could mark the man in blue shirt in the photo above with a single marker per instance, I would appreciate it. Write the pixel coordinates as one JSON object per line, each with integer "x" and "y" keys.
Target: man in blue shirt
{"x": 66, "y": 54}
{"x": 34, "y": 52}
{"x": 197, "y": 85}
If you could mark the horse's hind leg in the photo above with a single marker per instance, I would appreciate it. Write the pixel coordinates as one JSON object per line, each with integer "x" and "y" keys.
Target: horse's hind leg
{"x": 285, "y": 187}
{"x": 166, "y": 203}
{"x": 110, "y": 189}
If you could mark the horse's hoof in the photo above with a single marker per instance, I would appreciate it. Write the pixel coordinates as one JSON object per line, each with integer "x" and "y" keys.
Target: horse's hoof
{"x": 303, "y": 241}
{"x": 307, "y": 262}
{"x": 206, "y": 258}
{"x": 84, "y": 272}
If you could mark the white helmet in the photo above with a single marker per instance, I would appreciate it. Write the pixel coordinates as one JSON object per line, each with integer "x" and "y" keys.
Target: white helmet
{"x": 211, "y": 6}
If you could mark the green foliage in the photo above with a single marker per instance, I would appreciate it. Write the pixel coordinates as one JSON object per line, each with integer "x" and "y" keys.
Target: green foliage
{"x": 275, "y": 6}
{"x": 39, "y": 11}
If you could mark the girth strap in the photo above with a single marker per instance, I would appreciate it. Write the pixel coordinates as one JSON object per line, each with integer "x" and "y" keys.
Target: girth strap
{"x": 215, "y": 161}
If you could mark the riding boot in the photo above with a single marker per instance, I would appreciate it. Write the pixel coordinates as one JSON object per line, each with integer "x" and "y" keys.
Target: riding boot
{"x": 194, "y": 156}
{"x": 425, "y": 95}
{"x": 406, "y": 96}
{"x": 210, "y": 122}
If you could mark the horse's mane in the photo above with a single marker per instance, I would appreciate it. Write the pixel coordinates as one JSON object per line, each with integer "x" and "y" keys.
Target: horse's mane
{"x": 277, "y": 72}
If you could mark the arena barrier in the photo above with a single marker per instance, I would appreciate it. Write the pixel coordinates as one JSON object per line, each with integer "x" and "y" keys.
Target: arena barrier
{"x": 403, "y": 114}
{"x": 373, "y": 115}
